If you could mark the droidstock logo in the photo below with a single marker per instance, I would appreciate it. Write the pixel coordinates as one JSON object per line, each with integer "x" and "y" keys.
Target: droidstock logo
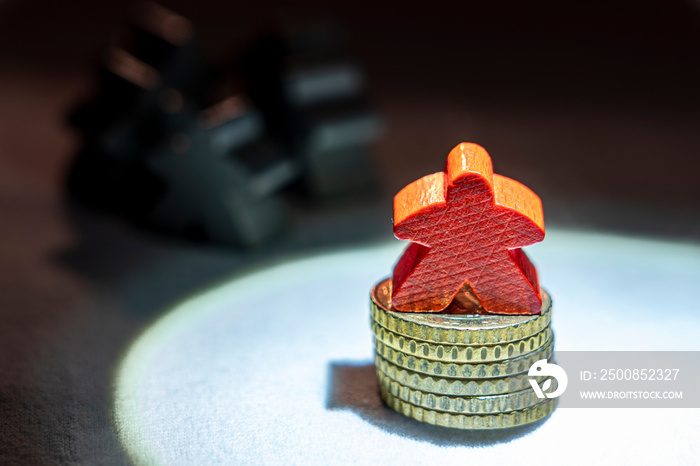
{"x": 543, "y": 369}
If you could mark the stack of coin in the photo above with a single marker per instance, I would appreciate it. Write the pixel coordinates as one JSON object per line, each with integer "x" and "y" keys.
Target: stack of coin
{"x": 466, "y": 371}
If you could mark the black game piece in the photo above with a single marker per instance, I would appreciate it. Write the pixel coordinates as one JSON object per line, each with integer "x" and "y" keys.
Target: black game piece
{"x": 221, "y": 176}
{"x": 314, "y": 100}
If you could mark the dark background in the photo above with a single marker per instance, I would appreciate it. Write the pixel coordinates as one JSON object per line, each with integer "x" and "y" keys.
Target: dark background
{"x": 594, "y": 105}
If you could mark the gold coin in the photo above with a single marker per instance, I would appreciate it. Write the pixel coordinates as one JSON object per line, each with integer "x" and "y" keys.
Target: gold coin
{"x": 460, "y": 404}
{"x": 461, "y": 329}
{"x": 508, "y": 367}
{"x": 454, "y": 387}
{"x": 471, "y": 421}
{"x": 460, "y": 353}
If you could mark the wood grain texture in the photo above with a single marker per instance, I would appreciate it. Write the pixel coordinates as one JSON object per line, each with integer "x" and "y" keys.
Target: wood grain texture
{"x": 467, "y": 224}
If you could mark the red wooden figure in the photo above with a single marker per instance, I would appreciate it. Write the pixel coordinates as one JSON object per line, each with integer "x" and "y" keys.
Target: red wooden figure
{"x": 467, "y": 224}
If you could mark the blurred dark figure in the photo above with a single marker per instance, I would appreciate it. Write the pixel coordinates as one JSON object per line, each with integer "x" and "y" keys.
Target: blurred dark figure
{"x": 203, "y": 151}
{"x": 314, "y": 100}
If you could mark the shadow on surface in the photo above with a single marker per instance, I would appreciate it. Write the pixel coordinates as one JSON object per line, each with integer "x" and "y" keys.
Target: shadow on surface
{"x": 122, "y": 279}
{"x": 148, "y": 272}
{"x": 354, "y": 386}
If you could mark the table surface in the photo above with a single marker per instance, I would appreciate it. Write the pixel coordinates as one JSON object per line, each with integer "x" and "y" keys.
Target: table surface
{"x": 103, "y": 359}
{"x": 276, "y": 366}
{"x": 82, "y": 294}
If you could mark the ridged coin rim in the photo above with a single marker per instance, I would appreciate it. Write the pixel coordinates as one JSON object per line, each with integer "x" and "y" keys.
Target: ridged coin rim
{"x": 504, "y": 403}
{"x": 473, "y": 421}
{"x": 462, "y": 329}
{"x": 453, "y": 387}
{"x": 459, "y": 353}
{"x": 488, "y": 370}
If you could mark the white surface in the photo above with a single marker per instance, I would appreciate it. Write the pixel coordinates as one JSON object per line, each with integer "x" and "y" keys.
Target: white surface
{"x": 275, "y": 367}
